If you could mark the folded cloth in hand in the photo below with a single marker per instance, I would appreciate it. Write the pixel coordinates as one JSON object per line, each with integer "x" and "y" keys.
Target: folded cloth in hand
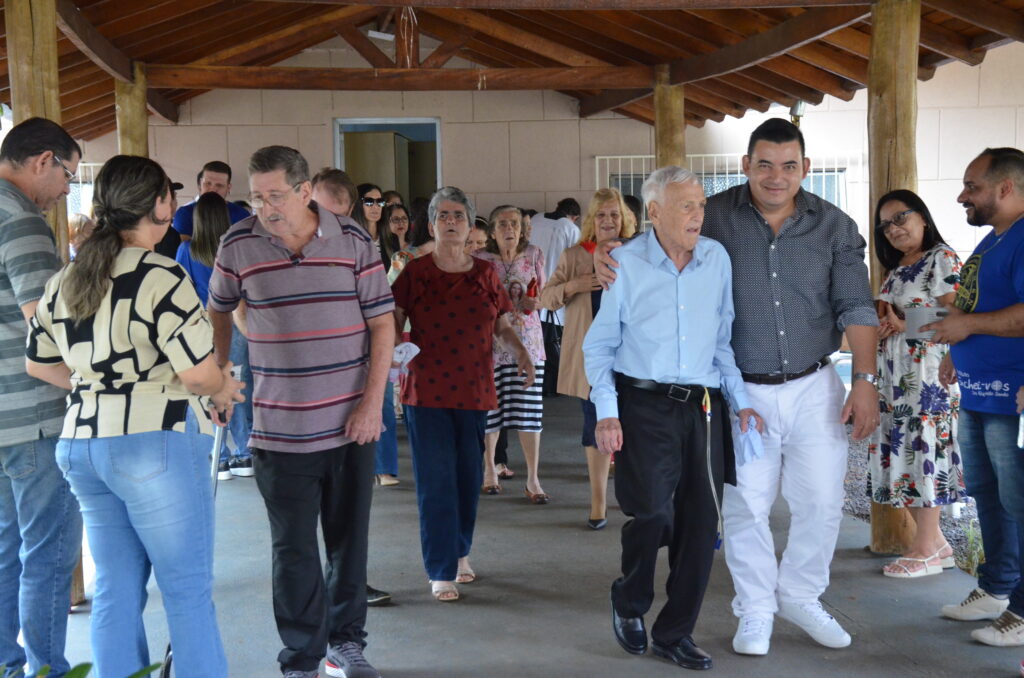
{"x": 748, "y": 445}
{"x": 404, "y": 353}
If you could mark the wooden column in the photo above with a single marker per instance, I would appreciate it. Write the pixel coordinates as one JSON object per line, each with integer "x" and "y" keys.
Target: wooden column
{"x": 407, "y": 39}
{"x": 892, "y": 122}
{"x": 132, "y": 116}
{"x": 31, "y": 27}
{"x": 669, "y": 123}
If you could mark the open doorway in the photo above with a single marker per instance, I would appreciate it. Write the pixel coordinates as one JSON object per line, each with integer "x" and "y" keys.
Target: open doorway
{"x": 394, "y": 153}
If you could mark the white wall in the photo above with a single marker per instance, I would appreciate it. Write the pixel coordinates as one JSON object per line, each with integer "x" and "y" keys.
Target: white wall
{"x": 530, "y": 148}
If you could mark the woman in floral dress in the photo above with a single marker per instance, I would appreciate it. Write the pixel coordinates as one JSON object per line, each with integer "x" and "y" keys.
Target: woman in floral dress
{"x": 520, "y": 267}
{"x": 914, "y": 457}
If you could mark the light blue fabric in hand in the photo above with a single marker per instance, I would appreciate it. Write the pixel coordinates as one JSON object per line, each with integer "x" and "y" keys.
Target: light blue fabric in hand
{"x": 748, "y": 446}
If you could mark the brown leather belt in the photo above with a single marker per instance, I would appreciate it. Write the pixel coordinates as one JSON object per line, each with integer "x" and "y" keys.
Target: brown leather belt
{"x": 684, "y": 393}
{"x": 780, "y": 378}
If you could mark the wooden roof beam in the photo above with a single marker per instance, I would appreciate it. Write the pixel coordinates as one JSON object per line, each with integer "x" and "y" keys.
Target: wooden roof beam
{"x": 396, "y": 79}
{"x": 784, "y": 37}
{"x": 596, "y": 4}
{"x": 104, "y": 54}
{"x": 985, "y": 14}
{"x": 448, "y": 48}
{"x": 365, "y": 47}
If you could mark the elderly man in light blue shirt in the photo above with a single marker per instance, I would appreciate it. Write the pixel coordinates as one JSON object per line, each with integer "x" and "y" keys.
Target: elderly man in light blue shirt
{"x": 662, "y": 383}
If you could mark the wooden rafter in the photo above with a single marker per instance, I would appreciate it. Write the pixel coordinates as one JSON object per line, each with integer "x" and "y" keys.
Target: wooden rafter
{"x": 389, "y": 79}
{"x": 365, "y": 47}
{"x": 447, "y": 49}
{"x": 104, "y": 54}
{"x": 987, "y": 15}
{"x": 598, "y": 4}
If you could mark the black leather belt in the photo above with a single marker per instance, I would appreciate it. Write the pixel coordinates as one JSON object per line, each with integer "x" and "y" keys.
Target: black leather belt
{"x": 684, "y": 393}
{"x": 780, "y": 378}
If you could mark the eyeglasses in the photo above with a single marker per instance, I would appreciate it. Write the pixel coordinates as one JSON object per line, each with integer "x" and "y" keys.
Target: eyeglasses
{"x": 370, "y": 202}
{"x": 398, "y": 220}
{"x": 898, "y": 219}
{"x": 69, "y": 176}
{"x": 274, "y": 199}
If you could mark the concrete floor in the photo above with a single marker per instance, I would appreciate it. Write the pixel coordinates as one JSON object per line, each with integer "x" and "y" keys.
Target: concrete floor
{"x": 540, "y": 605}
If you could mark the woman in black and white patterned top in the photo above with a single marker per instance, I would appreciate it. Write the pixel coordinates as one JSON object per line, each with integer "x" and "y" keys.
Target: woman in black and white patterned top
{"x": 123, "y": 329}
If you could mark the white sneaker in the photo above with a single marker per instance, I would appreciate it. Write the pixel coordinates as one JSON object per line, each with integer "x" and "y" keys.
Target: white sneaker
{"x": 753, "y": 635}
{"x": 976, "y": 606}
{"x": 819, "y": 624}
{"x": 1007, "y": 631}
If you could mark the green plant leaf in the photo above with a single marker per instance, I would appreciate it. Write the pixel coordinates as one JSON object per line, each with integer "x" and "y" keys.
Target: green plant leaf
{"x": 142, "y": 673}
{"x": 80, "y": 671}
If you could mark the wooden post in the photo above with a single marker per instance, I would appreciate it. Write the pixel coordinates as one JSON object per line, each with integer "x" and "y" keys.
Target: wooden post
{"x": 132, "y": 116}
{"x": 669, "y": 123}
{"x": 892, "y": 123}
{"x": 407, "y": 39}
{"x": 31, "y": 27}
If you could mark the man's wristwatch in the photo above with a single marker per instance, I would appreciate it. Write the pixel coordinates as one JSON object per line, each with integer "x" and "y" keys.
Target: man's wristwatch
{"x": 869, "y": 377}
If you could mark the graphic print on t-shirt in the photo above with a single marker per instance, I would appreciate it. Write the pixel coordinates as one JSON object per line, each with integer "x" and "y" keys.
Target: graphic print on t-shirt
{"x": 967, "y": 294}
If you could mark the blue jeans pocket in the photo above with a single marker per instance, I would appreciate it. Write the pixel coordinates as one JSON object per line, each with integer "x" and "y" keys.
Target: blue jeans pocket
{"x": 21, "y": 462}
{"x": 141, "y": 463}
{"x": 64, "y": 456}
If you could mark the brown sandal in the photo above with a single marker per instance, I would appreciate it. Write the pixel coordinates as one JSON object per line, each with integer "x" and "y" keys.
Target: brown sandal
{"x": 491, "y": 489}
{"x": 539, "y": 498}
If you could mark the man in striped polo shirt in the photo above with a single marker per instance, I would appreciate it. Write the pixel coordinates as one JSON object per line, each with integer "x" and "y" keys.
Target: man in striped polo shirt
{"x": 321, "y": 336}
{"x": 38, "y": 160}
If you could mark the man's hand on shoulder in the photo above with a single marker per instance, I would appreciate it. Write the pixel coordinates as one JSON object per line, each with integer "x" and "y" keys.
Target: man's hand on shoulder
{"x": 603, "y": 262}
{"x": 609, "y": 435}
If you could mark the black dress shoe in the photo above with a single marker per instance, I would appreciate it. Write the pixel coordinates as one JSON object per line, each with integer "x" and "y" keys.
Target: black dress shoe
{"x": 597, "y": 523}
{"x": 376, "y": 597}
{"x": 630, "y": 632}
{"x": 685, "y": 653}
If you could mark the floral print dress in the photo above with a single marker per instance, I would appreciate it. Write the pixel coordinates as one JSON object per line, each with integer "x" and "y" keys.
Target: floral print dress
{"x": 913, "y": 456}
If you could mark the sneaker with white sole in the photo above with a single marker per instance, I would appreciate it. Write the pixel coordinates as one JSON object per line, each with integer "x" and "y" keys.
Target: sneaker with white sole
{"x": 819, "y": 624}
{"x": 223, "y": 471}
{"x": 976, "y": 606}
{"x": 1007, "y": 631}
{"x": 347, "y": 661}
{"x": 241, "y": 466}
{"x": 753, "y": 635}
{"x": 296, "y": 673}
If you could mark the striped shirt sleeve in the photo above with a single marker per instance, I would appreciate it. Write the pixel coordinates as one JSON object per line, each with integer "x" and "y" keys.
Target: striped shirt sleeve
{"x": 28, "y": 255}
{"x": 372, "y": 288}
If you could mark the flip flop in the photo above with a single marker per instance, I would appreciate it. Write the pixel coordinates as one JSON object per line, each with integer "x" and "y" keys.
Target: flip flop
{"x": 444, "y": 591}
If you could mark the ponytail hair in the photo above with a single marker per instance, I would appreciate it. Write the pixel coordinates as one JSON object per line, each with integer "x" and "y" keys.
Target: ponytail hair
{"x": 210, "y": 221}
{"x": 125, "y": 191}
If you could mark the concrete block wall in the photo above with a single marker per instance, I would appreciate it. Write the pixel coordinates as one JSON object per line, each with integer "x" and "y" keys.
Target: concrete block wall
{"x": 530, "y": 148}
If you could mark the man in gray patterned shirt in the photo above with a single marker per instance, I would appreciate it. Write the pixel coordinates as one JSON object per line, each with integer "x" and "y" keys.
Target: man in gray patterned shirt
{"x": 38, "y": 160}
{"x": 799, "y": 283}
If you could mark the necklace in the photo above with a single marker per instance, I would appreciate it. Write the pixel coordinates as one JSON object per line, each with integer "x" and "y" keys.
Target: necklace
{"x": 508, "y": 267}
{"x": 998, "y": 240}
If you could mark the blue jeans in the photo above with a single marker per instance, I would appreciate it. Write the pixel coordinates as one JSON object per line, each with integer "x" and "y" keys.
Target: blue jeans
{"x": 447, "y": 451}
{"x": 994, "y": 474}
{"x": 147, "y": 502}
{"x": 40, "y": 539}
{"x": 240, "y": 425}
{"x": 387, "y": 446}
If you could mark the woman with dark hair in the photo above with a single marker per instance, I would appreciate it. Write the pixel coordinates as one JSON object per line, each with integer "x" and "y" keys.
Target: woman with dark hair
{"x": 211, "y": 220}
{"x": 913, "y": 456}
{"x": 393, "y": 198}
{"x": 123, "y": 329}
{"x": 520, "y": 267}
{"x": 420, "y": 241}
{"x": 368, "y": 209}
{"x": 394, "y": 234}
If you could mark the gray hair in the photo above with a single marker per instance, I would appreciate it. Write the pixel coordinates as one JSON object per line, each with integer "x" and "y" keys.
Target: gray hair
{"x": 654, "y": 186}
{"x": 273, "y": 158}
{"x": 451, "y": 194}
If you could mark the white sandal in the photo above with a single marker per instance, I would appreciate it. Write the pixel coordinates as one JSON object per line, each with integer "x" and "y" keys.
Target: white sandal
{"x": 925, "y": 571}
{"x": 444, "y": 591}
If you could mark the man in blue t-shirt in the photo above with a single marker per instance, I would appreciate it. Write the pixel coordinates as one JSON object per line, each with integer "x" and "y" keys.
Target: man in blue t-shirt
{"x": 986, "y": 334}
{"x": 216, "y": 177}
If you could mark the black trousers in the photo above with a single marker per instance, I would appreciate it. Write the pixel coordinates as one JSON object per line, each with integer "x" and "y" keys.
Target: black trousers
{"x": 313, "y": 607}
{"x": 661, "y": 483}
{"x": 552, "y": 332}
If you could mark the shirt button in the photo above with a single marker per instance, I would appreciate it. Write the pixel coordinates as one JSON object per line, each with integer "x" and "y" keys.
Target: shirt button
{"x": 773, "y": 247}
{"x": 681, "y": 308}
{"x": 775, "y": 275}
{"x": 684, "y": 367}
{"x": 776, "y": 303}
{"x": 785, "y": 362}
{"x": 683, "y": 338}
{"x": 781, "y": 332}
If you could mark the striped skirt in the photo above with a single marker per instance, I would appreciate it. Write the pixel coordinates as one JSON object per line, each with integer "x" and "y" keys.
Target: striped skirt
{"x": 520, "y": 409}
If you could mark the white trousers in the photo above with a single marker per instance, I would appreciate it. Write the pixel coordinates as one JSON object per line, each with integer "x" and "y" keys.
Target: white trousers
{"x": 805, "y": 454}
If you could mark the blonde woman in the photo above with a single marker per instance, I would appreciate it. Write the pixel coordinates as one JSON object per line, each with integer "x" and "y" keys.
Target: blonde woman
{"x": 574, "y": 286}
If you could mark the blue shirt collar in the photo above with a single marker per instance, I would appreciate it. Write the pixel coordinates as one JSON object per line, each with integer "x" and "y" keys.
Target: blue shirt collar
{"x": 656, "y": 253}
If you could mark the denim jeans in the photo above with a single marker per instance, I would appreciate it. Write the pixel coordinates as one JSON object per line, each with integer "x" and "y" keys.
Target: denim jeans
{"x": 37, "y": 558}
{"x": 994, "y": 474}
{"x": 147, "y": 502}
{"x": 387, "y": 446}
{"x": 240, "y": 425}
{"x": 447, "y": 451}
